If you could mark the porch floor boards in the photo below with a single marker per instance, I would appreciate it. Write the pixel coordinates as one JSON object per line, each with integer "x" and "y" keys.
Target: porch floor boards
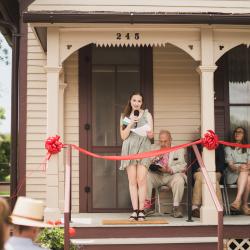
{"x": 95, "y": 220}
{"x": 177, "y": 234}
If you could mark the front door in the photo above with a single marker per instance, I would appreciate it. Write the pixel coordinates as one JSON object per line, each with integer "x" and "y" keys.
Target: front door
{"x": 107, "y": 76}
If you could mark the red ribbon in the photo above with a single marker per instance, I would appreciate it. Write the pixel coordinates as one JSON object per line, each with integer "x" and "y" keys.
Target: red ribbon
{"x": 210, "y": 141}
{"x": 53, "y": 145}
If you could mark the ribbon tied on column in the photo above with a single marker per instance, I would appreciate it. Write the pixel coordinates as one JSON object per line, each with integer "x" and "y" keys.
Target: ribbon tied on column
{"x": 53, "y": 146}
{"x": 210, "y": 140}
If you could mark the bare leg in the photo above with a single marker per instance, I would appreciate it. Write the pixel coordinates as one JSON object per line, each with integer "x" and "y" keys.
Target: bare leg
{"x": 246, "y": 193}
{"x": 131, "y": 170}
{"x": 142, "y": 172}
{"x": 241, "y": 182}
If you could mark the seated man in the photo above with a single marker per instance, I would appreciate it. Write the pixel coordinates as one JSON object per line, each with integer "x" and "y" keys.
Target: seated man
{"x": 198, "y": 177}
{"x": 168, "y": 169}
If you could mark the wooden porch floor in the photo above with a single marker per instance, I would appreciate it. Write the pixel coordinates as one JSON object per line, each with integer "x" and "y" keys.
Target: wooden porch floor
{"x": 91, "y": 234}
{"x": 95, "y": 220}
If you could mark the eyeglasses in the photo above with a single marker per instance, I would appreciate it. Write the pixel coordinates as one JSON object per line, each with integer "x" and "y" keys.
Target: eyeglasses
{"x": 239, "y": 132}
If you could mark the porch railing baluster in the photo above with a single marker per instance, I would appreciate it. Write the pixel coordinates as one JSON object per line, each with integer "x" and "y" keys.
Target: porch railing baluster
{"x": 67, "y": 197}
{"x": 214, "y": 197}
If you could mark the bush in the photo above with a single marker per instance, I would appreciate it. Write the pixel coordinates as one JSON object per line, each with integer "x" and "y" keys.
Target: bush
{"x": 4, "y": 156}
{"x": 53, "y": 238}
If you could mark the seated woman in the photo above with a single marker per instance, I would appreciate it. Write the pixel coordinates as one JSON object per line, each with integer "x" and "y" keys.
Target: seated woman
{"x": 238, "y": 171}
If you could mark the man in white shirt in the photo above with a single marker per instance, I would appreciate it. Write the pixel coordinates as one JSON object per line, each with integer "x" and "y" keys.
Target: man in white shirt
{"x": 168, "y": 170}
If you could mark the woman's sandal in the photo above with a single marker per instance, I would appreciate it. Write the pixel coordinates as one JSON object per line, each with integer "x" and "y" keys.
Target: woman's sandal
{"x": 141, "y": 215}
{"x": 133, "y": 216}
{"x": 245, "y": 210}
{"x": 235, "y": 206}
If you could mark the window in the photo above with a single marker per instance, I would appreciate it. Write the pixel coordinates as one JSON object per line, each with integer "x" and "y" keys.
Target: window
{"x": 239, "y": 87}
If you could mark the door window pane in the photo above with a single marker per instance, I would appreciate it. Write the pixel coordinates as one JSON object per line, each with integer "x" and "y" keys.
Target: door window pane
{"x": 104, "y": 183}
{"x": 103, "y": 106}
{"x": 239, "y": 93}
{"x": 240, "y": 116}
{"x": 128, "y": 80}
{"x": 123, "y": 190}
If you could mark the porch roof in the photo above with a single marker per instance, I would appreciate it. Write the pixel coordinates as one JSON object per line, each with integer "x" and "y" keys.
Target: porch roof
{"x": 135, "y": 17}
{"x": 42, "y": 19}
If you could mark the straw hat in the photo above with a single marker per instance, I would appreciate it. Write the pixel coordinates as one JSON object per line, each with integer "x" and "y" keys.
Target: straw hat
{"x": 29, "y": 212}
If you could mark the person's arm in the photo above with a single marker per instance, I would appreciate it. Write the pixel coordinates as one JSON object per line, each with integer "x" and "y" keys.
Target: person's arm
{"x": 229, "y": 160}
{"x": 124, "y": 132}
{"x": 232, "y": 167}
{"x": 150, "y": 133}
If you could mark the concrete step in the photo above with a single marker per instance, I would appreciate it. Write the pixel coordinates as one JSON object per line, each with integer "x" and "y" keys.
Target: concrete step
{"x": 195, "y": 243}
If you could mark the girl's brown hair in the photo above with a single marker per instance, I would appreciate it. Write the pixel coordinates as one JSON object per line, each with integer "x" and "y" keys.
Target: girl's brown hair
{"x": 4, "y": 219}
{"x": 128, "y": 108}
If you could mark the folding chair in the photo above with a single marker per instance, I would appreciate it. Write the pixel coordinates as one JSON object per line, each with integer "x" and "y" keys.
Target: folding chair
{"x": 158, "y": 201}
{"x": 225, "y": 189}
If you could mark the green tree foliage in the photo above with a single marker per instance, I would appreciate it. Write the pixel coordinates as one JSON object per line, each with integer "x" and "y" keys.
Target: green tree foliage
{"x": 4, "y": 138}
{"x": 2, "y": 114}
{"x": 4, "y": 156}
{"x": 4, "y": 53}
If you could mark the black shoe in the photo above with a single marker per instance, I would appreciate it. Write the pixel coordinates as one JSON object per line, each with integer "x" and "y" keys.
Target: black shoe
{"x": 196, "y": 213}
{"x": 141, "y": 215}
{"x": 148, "y": 211}
{"x": 134, "y": 216}
{"x": 176, "y": 213}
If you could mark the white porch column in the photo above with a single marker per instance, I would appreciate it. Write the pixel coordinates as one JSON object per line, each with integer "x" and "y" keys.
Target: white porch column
{"x": 62, "y": 87}
{"x": 206, "y": 70}
{"x": 52, "y": 211}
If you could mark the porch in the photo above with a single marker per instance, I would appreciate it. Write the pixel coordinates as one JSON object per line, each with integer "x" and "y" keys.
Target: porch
{"x": 181, "y": 100}
{"x": 176, "y": 233}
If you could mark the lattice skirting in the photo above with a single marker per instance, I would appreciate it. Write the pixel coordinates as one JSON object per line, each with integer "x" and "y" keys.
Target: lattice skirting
{"x": 237, "y": 244}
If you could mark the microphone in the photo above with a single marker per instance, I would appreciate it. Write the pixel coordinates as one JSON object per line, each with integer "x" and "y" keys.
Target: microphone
{"x": 136, "y": 113}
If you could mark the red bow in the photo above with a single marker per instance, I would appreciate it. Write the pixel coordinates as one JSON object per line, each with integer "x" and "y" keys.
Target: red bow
{"x": 53, "y": 145}
{"x": 210, "y": 140}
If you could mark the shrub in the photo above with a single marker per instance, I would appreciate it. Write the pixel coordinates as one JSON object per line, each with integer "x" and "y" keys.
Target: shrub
{"x": 53, "y": 238}
{"x": 4, "y": 156}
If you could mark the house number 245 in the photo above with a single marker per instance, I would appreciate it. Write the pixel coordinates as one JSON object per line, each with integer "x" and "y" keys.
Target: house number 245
{"x": 128, "y": 36}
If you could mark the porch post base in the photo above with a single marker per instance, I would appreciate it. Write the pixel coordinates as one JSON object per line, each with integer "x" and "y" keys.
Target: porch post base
{"x": 209, "y": 215}
{"x": 52, "y": 214}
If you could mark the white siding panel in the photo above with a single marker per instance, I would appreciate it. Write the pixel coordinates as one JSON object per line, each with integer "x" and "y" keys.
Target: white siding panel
{"x": 34, "y": 144}
{"x": 36, "y": 62}
{"x": 35, "y": 100}
{"x": 36, "y": 119}
{"x": 36, "y": 174}
{"x": 37, "y": 107}
{"x": 36, "y": 56}
{"x": 36, "y": 129}
{"x": 176, "y": 94}
{"x": 36, "y": 122}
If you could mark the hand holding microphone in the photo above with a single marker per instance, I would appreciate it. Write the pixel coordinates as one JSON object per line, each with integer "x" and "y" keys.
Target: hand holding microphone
{"x": 136, "y": 115}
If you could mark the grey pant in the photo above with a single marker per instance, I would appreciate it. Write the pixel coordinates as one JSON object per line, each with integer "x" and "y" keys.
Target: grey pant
{"x": 176, "y": 182}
